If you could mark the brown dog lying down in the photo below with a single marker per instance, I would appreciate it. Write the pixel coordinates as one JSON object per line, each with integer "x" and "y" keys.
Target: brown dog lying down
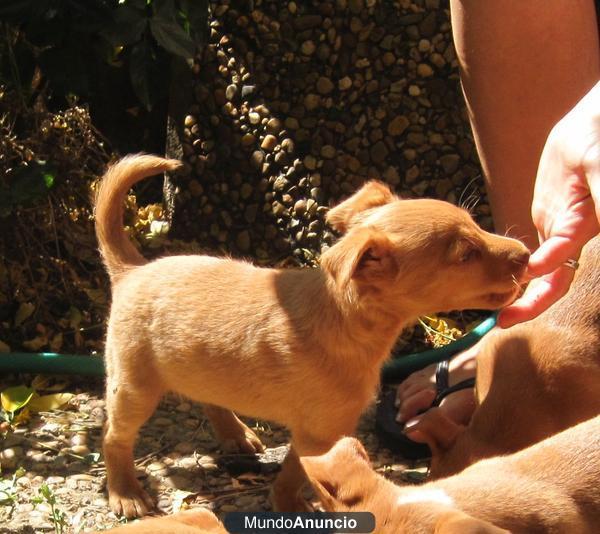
{"x": 302, "y": 347}
{"x": 533, "y": 380}
{"x": 553, "y": 487}
{"x": 199, "y": 521}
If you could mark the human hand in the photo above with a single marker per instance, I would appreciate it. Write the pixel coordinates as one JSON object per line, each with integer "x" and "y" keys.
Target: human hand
{"x": 565, "y": 209}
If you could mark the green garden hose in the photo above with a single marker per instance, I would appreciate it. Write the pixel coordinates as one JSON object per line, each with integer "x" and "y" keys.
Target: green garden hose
{"x": 396, "y": 369}
{"x": 52, "y": 363}
{"x": 393, "y": 371}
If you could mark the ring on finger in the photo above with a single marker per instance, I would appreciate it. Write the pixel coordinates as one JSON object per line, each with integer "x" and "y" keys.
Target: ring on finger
{"x": 572, "y": 264}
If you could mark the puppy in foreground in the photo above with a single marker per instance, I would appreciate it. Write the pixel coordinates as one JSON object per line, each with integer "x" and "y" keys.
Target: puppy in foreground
{"x": 302, "y": 347}
{"x": 199, "y": 521}
{"x": 533, "y": 380}
{"x": 551, "y": 487}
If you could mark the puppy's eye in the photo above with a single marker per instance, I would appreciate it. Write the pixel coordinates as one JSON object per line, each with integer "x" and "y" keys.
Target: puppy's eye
{"x": 469, "y": 253}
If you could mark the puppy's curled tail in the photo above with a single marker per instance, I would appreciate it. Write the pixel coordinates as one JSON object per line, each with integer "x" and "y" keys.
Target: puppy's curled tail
{"x": 118, "y": 252}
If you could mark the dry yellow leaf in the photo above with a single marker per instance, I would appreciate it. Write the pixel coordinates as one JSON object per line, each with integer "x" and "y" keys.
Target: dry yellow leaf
{"x": 24, "y": 312}
{"x": 56, "y": 342}
{"x": 47, "y": 403}
{"x": 36, "y": 343}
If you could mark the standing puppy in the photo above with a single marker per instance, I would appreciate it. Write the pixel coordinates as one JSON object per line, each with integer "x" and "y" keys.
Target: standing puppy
{"x": 552, "y": 487}
{"x": 302, "y": 347}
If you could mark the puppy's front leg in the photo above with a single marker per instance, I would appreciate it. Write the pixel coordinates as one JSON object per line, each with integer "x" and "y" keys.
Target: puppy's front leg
{"x": 285, "y": 492}
{"x": 232, "y": 433}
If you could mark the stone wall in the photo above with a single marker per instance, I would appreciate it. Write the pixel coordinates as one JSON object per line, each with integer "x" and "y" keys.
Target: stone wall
{"x": 295, "y": 104}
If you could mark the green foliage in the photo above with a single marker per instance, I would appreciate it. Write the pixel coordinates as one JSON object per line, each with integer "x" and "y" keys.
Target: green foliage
{"x": 28, "y": 184}
{"x": 9, "y": 490}
{"x": 106, "y": 53}
{"x": 77, "y": 43}
{"x": 58, "y": 517}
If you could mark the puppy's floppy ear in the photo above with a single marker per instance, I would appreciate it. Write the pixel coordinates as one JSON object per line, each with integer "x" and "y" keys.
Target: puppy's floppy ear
{"x": 435, "y": 429}
{"x": 329, "y": 472}
{"x": 364, "y": 254}
{"x": 457, "y": 522}
{"x": 370, "y": 195}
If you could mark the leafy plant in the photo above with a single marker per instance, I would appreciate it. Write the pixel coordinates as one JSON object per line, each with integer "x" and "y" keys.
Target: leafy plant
{"x": 76, "y": 44}
{"x": 8, "y": 490}
{"x": 28, "y": 184}
{"x": 58, "y": 517}
{"x": 114, "y": 55}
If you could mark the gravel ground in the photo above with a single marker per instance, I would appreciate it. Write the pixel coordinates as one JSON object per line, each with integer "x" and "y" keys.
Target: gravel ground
{"x": 296, "y": 104}
{"x": 177, "y": 458}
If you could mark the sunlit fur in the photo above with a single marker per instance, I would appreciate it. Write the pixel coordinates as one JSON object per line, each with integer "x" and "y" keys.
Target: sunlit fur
{"x": 302, "y": 347}
{"x": 533, "y": 380}
{"x": 199, "y": 521}
{"x": 553, "y": 487}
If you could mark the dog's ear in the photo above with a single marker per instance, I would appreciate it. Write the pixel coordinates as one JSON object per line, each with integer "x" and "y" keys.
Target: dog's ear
{"x": 435, "y": 429}
{"x": 364, "y": 255}
{"x": 457, "y": 522}
{"x": 329, "y": 472}
{"x": 370, "y": 195}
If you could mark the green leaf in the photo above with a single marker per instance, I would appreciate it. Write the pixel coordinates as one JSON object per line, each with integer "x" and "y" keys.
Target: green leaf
{"x": 195, "y": 13}
{"x": 46, "y": 492}
{"x": 172, "y": 37}
{"x": 140, "y": 62}
{"x": 30, "y": 183}
{"x": 129, "y": 24}
{"x": 14, "y": 398}
{"x": 48, "y": 179}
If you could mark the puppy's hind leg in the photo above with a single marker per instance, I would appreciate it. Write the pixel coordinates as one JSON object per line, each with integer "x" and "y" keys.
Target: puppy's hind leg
{"x": 231, "y": 432}
{"x": 128, "y": 407}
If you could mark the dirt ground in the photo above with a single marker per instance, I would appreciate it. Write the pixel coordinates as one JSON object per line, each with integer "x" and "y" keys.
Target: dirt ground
{"x": 53, "y": 475}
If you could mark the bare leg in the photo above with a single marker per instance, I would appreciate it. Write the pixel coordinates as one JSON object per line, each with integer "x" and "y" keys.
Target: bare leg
{"x": 233, "y": 434}
{"x": 523, "y": 64}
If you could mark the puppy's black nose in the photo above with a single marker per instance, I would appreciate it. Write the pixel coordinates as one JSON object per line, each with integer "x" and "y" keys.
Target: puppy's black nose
{"x": 520, "y": 258}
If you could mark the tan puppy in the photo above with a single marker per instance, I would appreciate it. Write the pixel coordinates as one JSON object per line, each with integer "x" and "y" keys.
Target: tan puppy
{"x": 199, "y": 521}
{"x": 533, "y": 380}
{"x": 302, "y": 347}
{"x": 551, "y": 487}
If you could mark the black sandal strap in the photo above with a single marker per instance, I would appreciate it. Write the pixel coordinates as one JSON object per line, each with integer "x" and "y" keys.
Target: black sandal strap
{"x": 442, "y": 377}
{"x": 465, "y": 384}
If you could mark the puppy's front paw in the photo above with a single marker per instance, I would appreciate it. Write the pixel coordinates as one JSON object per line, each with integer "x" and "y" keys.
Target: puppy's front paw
{"x": 130, "y": 503}
{"x": 248, "y": 442}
